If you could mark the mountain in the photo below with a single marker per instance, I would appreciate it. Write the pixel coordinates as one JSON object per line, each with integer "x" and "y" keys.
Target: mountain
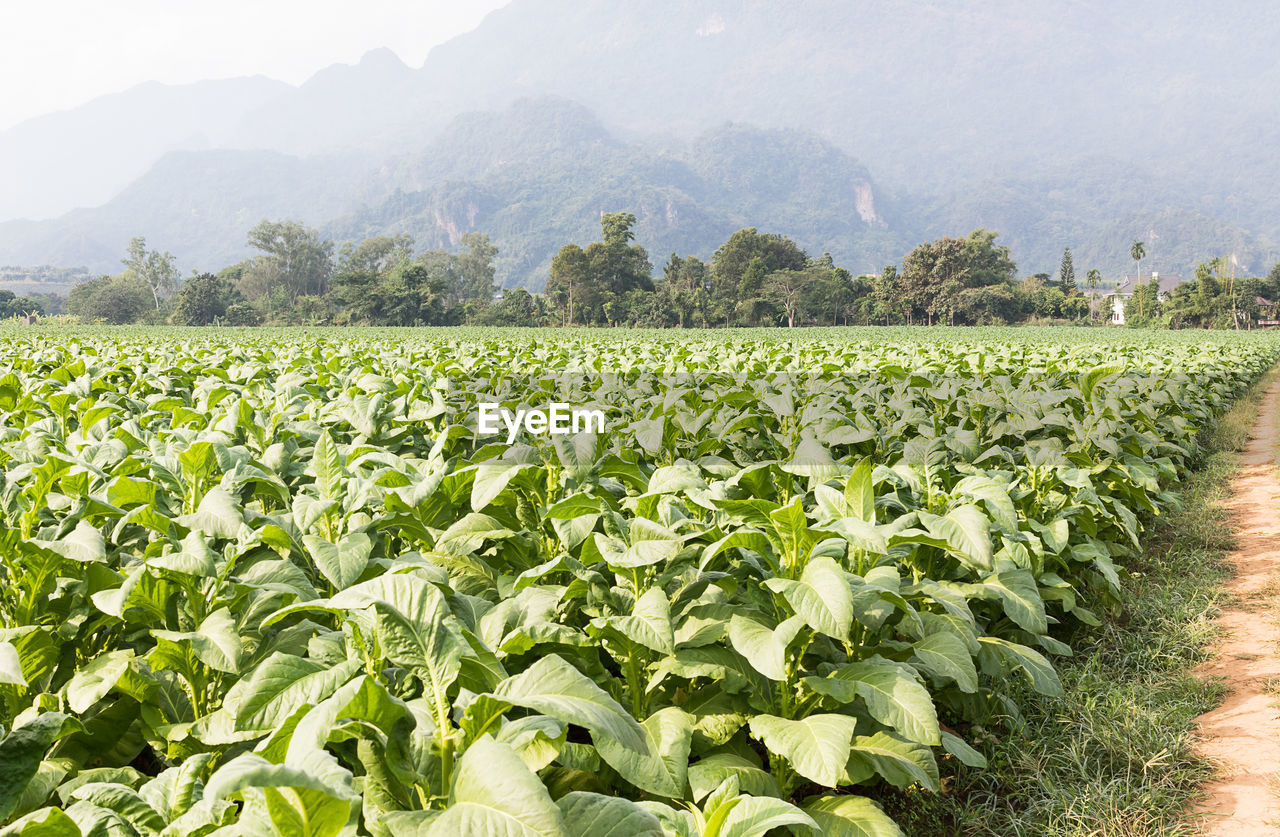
{"x": 1080, "y": 123}
{"x": 197, "y": 204}
{"x": 533, "y": 176}
{"x": 376, "y": 104}
{"x": 82, "y": 157}
{"x": 540, "y": 173}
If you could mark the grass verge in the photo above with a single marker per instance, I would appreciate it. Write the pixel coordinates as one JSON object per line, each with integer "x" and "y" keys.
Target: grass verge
{"x": 1114, "y": 756}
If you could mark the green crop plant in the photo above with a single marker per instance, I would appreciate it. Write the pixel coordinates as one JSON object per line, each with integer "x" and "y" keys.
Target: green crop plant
{"x": 279, "y": 583}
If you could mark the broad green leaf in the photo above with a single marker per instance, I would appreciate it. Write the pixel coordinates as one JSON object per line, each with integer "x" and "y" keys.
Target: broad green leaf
{"x": 283, "y": 683}
{"x": 812, "y": 459}
{"x": 892, "y": 693}
{"x": 91, "y": 683}
{"x": 649, "y": 623}
{"x": 577, "y": 454}
{"x": 555, "y": 688}
{"x": 491, "y": 479}
{"x": 469, "y": 533}
{"x": 176, "y": 789}
{"x": 341, "y": 563}
{"x": 748, "y": 539}
{"x": 124, "y": 801}
{"x": 764, "y": 649}
{"x": 958, "y": 747}
{"x": 755, "y": 816}
{"x": 125, "y": 491}
{"x": 414, "y": 633}
{"x": 537, "y": 739}
{"x": 22, "y": 750}
{"x": 676, "y": 822}
{"x": 216, "y": 642}
{"x": 706, "y": 774}
{"x": 999, "y": 656}
{"x": 306, "y": 812}
{"x": 945, "y": 654}
{"x": 859, "y": 493}
{"x": 494, "y": 794}
{"x": 406, "y": 823}
{"x": 651, "y": 543}
{"x": 850, "y": 816}
{"x": 326, "y": 464}
{"x": 363, "y": 700}
{"x": 47, "y": 822}
{"x": 193, "y": 558}
{"x": 1021, "y": 598}
{"x": 676, "y": 479}
{"x": 218, "y": 514}
{"x": 10, "y": 665}
{"x": 994, "y": 495}
{"x": 964, "y": 530}
{"x": 663, "y": 766}
{"x": 817, "y": 746}
{"x": 83, "y": 545}
{"x": 1089, "y": 381}
{"x": 595, "y": 815}
{"x": 249, "y": 770}
{"x": 792, "y": 529}
{"x": 573, "y": 506}
{"x": 898, "y": 760}
{"x": 821, "y": 597}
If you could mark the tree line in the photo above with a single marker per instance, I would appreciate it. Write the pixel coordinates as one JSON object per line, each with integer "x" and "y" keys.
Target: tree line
{"x": 753, "y": 279}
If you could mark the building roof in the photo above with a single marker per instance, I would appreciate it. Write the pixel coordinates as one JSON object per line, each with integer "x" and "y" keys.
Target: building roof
{"x": 1168, "y": 281}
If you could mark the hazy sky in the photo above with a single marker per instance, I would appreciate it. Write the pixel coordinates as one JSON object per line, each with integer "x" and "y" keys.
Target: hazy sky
{"x": 58, "y": 54}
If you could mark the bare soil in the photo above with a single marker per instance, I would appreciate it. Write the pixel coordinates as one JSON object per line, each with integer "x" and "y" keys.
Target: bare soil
{"x": 1242, "y": 735}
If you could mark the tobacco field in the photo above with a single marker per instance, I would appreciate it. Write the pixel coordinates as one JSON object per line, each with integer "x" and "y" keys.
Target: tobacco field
{"x": 275, "y": 583}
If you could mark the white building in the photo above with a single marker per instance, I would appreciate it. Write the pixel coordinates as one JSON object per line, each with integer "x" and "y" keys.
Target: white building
{"x": 1121, "y": 295}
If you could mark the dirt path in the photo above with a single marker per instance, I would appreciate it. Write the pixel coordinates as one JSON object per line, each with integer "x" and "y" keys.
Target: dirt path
{"x": 1243, "y": 734}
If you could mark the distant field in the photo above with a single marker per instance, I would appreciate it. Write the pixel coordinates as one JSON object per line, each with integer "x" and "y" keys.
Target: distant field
{"x": 280, "y": 576}
{"x": 29, "y": 288}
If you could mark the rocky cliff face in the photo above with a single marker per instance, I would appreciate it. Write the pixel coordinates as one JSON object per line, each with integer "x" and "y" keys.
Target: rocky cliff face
{"x": 864, "y": 201}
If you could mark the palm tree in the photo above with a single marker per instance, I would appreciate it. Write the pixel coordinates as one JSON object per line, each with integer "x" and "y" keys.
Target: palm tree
{"x": 1136, "y": 252}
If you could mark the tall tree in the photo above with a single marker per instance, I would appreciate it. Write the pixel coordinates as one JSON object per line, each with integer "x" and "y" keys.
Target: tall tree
{"x": 362, "y": 270}
{"x": 933, "y": 275}
{"x": 111, "y": 299}
{"x": 1092, "y": 278}
{"x": 295, "y": 262}
{"x": 411, "y": 295}
{"x": 569, "y": 283}
{"x": 833, "y": 289}
{"x": 375, "y": 255}
{"x": 618, "y": 265}
{"x": 204, "y": 300}
{"x": 1271, "y": 285}
{"x": 684, "y": 290}
{"x": 738, "y": 269}
{"x": 887, "y": 295}
{"x": 1067, "y": 273}
{"x": 476, "y": 273}
{"x": 1136, "y": 251}
{"x": 988, "y": 263}
{"x": 158, "y": 271}
{"x": 785, "y": 289}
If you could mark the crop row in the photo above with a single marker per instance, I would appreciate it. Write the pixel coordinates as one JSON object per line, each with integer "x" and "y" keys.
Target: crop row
{"x": 276, "y": 585}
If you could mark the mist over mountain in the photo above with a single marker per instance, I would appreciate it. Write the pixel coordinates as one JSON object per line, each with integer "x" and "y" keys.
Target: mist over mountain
{"x": 861, "y": 129}
{"x": 84, "y": 156}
